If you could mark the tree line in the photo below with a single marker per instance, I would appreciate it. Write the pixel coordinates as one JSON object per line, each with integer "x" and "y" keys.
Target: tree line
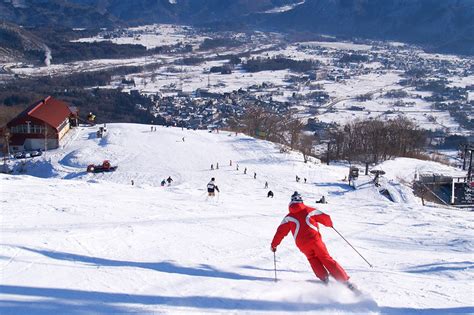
{"x": 283, "y": 128}
{"x": 375, "y": 140}
{"x": 370, "y": 141}
{"x": 110, "y": 105}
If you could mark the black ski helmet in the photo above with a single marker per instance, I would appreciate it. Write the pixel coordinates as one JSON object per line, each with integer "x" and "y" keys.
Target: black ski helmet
{"x": 296, "y": 197}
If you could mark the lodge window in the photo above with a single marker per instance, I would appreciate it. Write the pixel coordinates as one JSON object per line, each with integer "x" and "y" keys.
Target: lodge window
{"x": 24, "y": 129}
{"x": 37, "y": 129}
{"x": 20, "y": 129}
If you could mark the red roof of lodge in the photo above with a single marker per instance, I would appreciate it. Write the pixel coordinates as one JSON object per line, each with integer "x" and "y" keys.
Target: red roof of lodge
{"x": 50, "y": 110}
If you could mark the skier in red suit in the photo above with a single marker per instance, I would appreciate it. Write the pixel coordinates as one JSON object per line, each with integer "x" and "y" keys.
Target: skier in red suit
{"x": 303, "y": 221}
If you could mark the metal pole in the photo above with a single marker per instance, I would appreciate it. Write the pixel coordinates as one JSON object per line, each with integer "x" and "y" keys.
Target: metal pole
{"x": 6, "y": 150}
{"x": 275, "y": 265}
{"x": 353, "y": 247}
{"x": 464, "y": 158}
{"x": 328, "y": 153}
{"x": 470, "y": 165}
{"x": 452, "y": 193}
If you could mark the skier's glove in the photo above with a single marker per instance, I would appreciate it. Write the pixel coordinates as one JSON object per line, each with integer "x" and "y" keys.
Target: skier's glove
{"x": 273, "y": 249}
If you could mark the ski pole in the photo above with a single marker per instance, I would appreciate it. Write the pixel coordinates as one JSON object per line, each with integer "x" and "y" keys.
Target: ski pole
{"x": 352, "y": 247}
{"x": 275, "y": 265}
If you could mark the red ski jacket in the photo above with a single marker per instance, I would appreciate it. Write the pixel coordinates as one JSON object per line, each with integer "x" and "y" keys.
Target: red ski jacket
{"x": 302, "y": 221}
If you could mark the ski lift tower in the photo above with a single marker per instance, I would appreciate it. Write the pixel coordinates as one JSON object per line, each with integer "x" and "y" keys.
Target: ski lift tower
{"x": 377, "y": 174}
{"x": 468, "y": 149}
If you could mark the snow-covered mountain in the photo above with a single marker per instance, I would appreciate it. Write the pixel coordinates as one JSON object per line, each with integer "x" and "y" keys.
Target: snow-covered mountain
{"x": 446, "y": 26}
{"x": 440, "y": 25}
{"x": 74, "y": 242}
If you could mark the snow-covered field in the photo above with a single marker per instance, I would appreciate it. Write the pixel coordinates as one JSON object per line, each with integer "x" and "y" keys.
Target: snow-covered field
{"x": 75, "y": 243}
{"x": 151, "y": 36}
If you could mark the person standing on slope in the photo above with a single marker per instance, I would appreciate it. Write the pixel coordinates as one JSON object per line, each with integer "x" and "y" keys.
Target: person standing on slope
{"x": 303, "y": 221}
{"x": 212, "y": 187}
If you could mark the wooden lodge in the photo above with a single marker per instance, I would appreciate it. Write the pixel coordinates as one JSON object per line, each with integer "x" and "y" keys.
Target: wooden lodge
{"x": 41, "y": 126}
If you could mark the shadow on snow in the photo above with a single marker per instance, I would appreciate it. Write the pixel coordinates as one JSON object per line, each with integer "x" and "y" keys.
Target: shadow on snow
{"x": 80, "y": 302}
{"x": 202, "y": 270}
{"x": 440, "y": 267}
{"x": 342, "y": 188}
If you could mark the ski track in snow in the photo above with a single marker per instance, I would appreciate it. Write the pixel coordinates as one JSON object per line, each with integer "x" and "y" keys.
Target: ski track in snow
{"x": 76, "y": 243}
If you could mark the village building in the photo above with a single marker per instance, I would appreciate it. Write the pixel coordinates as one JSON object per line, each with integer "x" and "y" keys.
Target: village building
{"x": 41, "y": 126}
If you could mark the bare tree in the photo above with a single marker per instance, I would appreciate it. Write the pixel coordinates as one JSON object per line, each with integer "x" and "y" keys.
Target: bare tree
{"x": 306, "y": 146}
{"x": 374, "y": 140}
{"x": 294, "y": 127}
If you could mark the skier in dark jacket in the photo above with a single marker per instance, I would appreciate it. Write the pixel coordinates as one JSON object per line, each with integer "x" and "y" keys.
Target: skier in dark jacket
{"x": 212, "y": 187}
{"x": 169, "y": 180}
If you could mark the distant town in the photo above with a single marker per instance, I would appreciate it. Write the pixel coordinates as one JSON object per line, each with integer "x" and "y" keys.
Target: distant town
{"x": 196, "y": 78}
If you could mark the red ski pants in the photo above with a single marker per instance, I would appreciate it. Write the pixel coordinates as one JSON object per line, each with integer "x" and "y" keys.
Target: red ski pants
{"x": 321, "y": 262}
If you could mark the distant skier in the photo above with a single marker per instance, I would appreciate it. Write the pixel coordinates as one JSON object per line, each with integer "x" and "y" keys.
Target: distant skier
{"x": 169, "y": 180}
{"x": 303, "y": 221}
{"x": 230, "y": 163}
{"x": 266, "y": 185}
{"x": 212, "y": 187}
{"x": 270, "y": 194}
{"x": 212, "y": 166}
{"x": 305, "y": 180}
{"x": 237, "y": 167}
{"x": 132, "y": 182}
{"x": 182, "y": 139}
{"x": 163, "y": 182}
{"x": 217, "y": 166}
{"x": 322, "y": 200}
{"x": 245, "y": 170}
{"x": 254, "y": 175}
{"x": 297, "y": 179}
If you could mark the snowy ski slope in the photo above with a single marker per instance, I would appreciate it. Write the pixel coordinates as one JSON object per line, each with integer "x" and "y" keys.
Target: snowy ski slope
{"x": 76, "y": 243}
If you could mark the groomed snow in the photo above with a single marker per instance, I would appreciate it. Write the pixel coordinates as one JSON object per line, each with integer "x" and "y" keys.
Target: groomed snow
{"x": 75, "y": 243}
